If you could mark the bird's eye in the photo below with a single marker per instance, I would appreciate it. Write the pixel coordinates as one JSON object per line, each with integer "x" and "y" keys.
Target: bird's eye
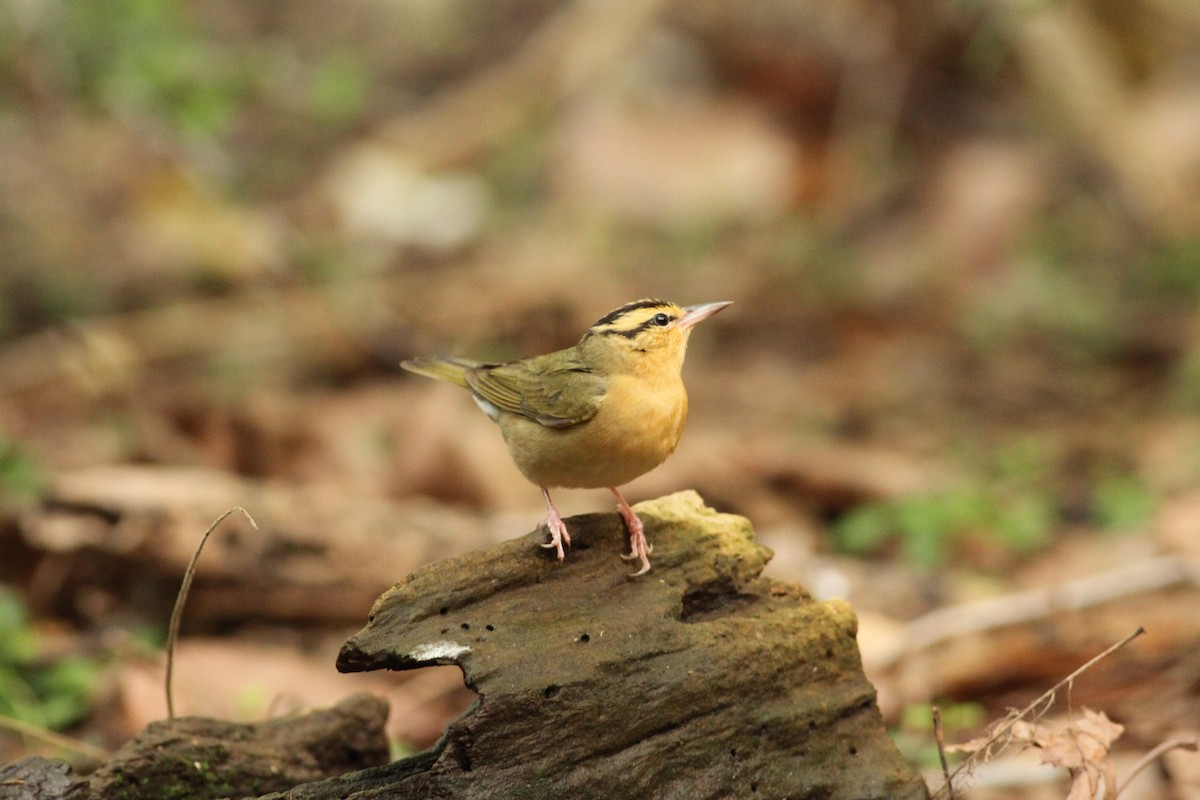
{"x": 662, "y": 320}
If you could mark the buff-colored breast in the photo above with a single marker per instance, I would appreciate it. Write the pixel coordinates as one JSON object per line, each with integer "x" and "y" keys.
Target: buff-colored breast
{"x": 637, "y": 426}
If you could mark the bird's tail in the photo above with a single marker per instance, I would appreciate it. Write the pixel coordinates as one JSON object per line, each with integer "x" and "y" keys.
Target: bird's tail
{"x": 452, "y": 370}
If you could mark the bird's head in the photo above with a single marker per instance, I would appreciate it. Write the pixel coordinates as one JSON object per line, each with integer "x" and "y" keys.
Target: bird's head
{"x": 645, "y": 335}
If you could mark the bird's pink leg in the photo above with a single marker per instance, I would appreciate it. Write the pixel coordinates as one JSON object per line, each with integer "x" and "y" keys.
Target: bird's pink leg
{"x": 558, "y": 531}
{"x": 638, "y": 547}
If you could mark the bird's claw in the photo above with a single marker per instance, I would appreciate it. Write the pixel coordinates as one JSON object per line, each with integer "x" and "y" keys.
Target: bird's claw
{"x": 628, "y": 556}
{"x": 645, "y": 561}
{"x": 558, "y": 534}
{"x": 639, "y": 548}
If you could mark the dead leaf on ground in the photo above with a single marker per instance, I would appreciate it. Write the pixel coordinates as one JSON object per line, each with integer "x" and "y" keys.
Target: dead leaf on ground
{"x": 1081, "y": 746}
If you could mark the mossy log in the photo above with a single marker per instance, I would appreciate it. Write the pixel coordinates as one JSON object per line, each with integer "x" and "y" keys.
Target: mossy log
{"x": 701, "y": 679}
{"x": 196, "y": 758}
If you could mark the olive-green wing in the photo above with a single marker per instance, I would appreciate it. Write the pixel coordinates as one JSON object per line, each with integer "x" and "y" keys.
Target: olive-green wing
{"x": 556, "y": 390}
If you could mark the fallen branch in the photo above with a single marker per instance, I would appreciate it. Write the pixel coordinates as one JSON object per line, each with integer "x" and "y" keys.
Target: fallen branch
{"x": 945, "y": 624}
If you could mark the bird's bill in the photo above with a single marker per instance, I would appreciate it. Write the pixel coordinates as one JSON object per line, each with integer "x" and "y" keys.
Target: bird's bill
{"x": 700, "y": 313}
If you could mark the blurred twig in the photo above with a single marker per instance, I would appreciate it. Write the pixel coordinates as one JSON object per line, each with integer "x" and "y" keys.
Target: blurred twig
{"x": 52, "y": 738}
{"x": 181, "y": 601}
{"x": 940, "y": 739}
{"x": 864, "y": 130}
{"x": 956, "y": 621}
{"x": 1181, "y": 743}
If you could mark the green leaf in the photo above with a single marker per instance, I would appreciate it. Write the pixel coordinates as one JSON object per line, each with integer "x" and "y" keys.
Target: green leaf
{"x": 864, "y": 529}
{"x": 1121, "y": 502}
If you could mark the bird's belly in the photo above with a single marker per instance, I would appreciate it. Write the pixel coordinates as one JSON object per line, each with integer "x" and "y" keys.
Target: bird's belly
{"x": 633, "y": 432}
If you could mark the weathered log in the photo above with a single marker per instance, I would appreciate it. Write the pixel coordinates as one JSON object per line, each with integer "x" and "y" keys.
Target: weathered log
{"x": 199, "y": 758}
{"x": 702, "y": 679}
{"x": 35, "y": 778}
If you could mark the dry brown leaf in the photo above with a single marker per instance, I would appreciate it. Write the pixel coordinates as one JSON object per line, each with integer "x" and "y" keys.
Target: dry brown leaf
{"x": 1084, "y": 741}
{"x": 1082, "y": 747}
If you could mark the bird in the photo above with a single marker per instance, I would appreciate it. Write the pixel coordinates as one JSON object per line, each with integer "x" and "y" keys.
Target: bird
{"x": 595, "y": 415}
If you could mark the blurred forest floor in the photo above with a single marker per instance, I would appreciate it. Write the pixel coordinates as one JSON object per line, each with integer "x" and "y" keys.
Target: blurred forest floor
{"x": 959, "y": 386}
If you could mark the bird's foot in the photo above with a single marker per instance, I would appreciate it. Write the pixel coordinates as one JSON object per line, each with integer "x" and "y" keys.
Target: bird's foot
{"x": 557, "y": 528}
{"x": 639, "y": 548}
{"x": 558, "y": 535}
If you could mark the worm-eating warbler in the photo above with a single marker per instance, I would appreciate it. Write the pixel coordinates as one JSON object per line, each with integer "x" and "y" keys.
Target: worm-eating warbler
{"x": 598, "y": 414}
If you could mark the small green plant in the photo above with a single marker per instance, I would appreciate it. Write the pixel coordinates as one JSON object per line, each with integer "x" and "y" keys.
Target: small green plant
{"x": 1010, "y": 504}
{"x": 1185, "y": 381}
{"x": 1170, "y": 273}
{"x": 517, "y": 171}
{"x": 914, "y": 735}
{"x": 1121, "y": 502}
{"x": 49, "y": 694}
{"x": 337, "y": 91}
{"x": 927, "y": 526}
{"x": 1013, "y": 503}
{"x": 21, "y": 478}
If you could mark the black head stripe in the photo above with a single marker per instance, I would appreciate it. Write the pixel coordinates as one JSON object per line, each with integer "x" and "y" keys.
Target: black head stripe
{"x": 616, "y": 314}
{"x": 632, "y": 332}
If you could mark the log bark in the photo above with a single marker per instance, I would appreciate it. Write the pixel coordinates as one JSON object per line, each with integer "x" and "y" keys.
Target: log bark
{"x": 701, "y": 679}
{"x": 199, "y": 758}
